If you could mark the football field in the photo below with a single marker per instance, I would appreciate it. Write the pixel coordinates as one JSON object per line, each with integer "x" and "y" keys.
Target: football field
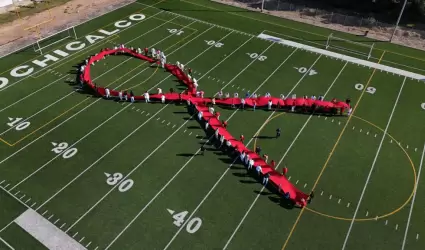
{"x": 104, "y": 174}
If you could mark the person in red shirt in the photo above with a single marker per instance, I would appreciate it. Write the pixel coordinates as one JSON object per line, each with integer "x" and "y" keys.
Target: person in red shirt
{"x": 189, "y": 70}
{"x": 217, "y": 115}
{"x": 272, "y": 163}
{"x": 284, "y": 171}
{"x": 242, "y": 138}
{"x": 146, "y": 51}
{"x": 224, "y": 123}
{"x": 266, "y": 157}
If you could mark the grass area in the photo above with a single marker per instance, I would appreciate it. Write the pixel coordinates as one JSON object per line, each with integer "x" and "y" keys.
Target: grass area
{"x": 28, "y": 10}
{"x": 363, "y": 168}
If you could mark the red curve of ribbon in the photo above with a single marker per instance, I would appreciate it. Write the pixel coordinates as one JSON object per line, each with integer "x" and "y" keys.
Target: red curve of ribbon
{"x": 200, "y": 104}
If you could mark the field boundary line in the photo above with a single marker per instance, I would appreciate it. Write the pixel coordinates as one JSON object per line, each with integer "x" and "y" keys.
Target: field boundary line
{"x": 149, "y": 90}
{"x": 331, "y": 153}
{"x": 373, "y": 166}
{"x": 413, "y": 200}
{"x": 225, "y": 172}
{"x": 123, "y": 179}
{"x": 280, "y": 161}
{"x": 190, "y": 159}
{"x": 291, "y": 28}
{"x": 91, "y": 19}
{"x": 66, "y": 60}
{"x": 107, "y": 85}
{"x": 6, "y": 243}
{"x": 72, "y": 145}
{"x": 318, "y": 50}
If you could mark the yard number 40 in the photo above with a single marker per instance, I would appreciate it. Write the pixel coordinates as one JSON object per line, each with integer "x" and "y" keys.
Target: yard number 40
{"x": 192, "y": 225}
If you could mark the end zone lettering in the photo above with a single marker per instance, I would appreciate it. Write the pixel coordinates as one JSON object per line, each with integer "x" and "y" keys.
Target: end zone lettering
{"x": 56, "y": 55}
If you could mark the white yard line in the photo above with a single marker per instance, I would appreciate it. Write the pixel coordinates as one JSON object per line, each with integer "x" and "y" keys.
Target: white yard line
{"x": 372, "y": 167}
{"x": 82, "y": 50}
{"x": 26, "y": 178}
{"x": 214, "y": 186}
{"x": 73, "y": 92}
{"x": 221, "y": 177}
{"x": 280, "y": 161}
{"x": 100, "y": 158}
{"x": 190, "y": 159}
{"x": 7, "y": 244}
{"x": 99, "y": 201}
{"x": 413, "y": 200}
{"x": 128, "y": 175}
{"x": 72, "y": 145}
{"x": 94, "y": 101}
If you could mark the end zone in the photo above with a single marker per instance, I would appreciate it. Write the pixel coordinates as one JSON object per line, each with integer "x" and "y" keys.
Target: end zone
{"x": 46, "y": 232}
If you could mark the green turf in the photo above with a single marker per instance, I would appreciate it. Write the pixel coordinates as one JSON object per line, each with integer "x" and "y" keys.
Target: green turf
{"x": 155, "y": 143}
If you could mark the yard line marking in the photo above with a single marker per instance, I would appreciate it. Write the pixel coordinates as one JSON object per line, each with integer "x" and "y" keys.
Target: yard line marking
{"x": 287, "y": 151}
{"x": 200, "y": 204}
{"x": 56, "y": 221}
{"x": 75, "y": 235}
{"x": 82, "y": 239}
{"x": 62, "y": 225}
{"x": 7, "y": 244}
{"x": 7, "y": 185}
{"x": 413, "y": 201}
{"x": 88, "y": 244}
{"x": 2, "y": 182}
{"x": 28, "y": 200}
{"x": 128, "y": 175}
{"x": 117, "y": 88}
{"x": 50, "y": 217}
{"x": 33, "y": 204}
{"x": 17, "y": 193}
{"x": 166, "y": 185}
{"x": 331, "y": 153}
{"x": 45, "y": 212}
{"x": 100, "y": 158}
{"x": 72, "y": 145}
{"x": 373, "y": 166}
{"x": 213, "y": 187}
{"x": 67, "y": 60}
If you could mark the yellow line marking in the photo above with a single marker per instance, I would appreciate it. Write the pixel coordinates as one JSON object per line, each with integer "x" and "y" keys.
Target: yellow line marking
{"x": 57, "y": 117}
{"x": 37, "y": 25}
{"x": 392, "y": 212}
{"x": 303, "y": 31}
{"x": 147, "y": 79}
{"x": 332, "y": 152}
{"x": 5, "y": 142}
{"x": 86, "y": 34}
{"x": 144, "y": 62}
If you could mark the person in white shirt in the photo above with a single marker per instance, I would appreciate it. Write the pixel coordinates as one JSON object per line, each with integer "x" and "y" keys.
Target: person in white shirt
{"x": 200, "y": 114}
{"x": 227, "y": 95}
{"x": 153, "y": 52}
{"x": 211, "y": 110}
{"x": 254, "y": 95}
{"x": 207, "y": 124}
{"x": 178, "y": 65}
{"x": 243, "y": 103}
{"x": 269, "y": 104}
{"x": 213, "y": 101}
{"x": 216, "y": 133}
{"x": 222, "y": 140}
{"x": 159, "y": 91}
{"x": 220, "y": 94}
{"x": 235, "y": 95}
{"x": 108, "y": 93}
{"x": 282, "y": 96}
{"x": 258, "y": 169}
{"x": 267, "y": 94}
{"x": 120, "y": 95}
{"x": 250, "y": 164}
{"x": 313, "y": 97}
{"x": 247, "y": 159}
{"x": 182, "y": 67}
{"x": 163, "y": 98}
{"x": 294, "y": 96}
{"x": 195, "y": 84}
{"x": 162, "y": 63}
{"x": 242, "y": 156}
{"x": 350, "y": 111}
{"x": 132, "y": 99}
{"x": 162, "y": 54}
{"x": 146, "y": 95}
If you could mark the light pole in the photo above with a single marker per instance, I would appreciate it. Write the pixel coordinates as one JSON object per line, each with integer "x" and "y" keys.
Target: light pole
{"x": 398, "y": 20}
{"x": 262, "y": 5}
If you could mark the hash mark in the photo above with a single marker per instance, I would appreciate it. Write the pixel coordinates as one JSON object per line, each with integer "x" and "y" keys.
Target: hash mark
{"x": 417, "y": 236}
{"x": 386, "y": 222}
{"x": 326, "y": 118}
{"x": 62, "y": 225}
{"x": 367, "y": 213}
{"x": 17, "y": 193}
{"x": 416, "y": 149}
{"x": 330, "y": 197}
{"x": 82, "y": 239}
{"x": 33, "y": 204}
{"x": 88, "y": 244}
{"x": 396, "y": 227}
{"x": 50, "y": 216}
{"x": 2, "y": 182}
{"x": 375, "y": 135}
{"x": 305, "y": 185}
{"x": 148, "y": 114}
{"x": 353, "y": 127}
{"x": 289, "y": 178}
{"x": 143, "y": 111}
{"x": 96, "y": 248}
{"x": 297, "y": 182}
{"x": 367, "y": 133}
{"x": 407, "y": 146}
{"x": 361, "y": 130}
{"x": 137, "y": 110}
{"x": 339, "y": 201}
{"x": 22, "y": 197}
{"x": 28, "y": 200}
{"x": 168, "y": 124}
{"x": 190, "y": 133}
{"x": 7, "y": 185}
{"x": 158, "y": 118}
{"x": 332, "y": 120}
{"x": 45, "y": 212}
{"x": 163, "y": 121}
{"x": 184, "y": 131}
{"x": 75, "y": 235}
{"x": 174, "y": 125}
{"x": 56, "y": 221}
{"x": 339, "y": 123}
{"x": 321, "y": 193}
{"x": 348, "y": 205}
